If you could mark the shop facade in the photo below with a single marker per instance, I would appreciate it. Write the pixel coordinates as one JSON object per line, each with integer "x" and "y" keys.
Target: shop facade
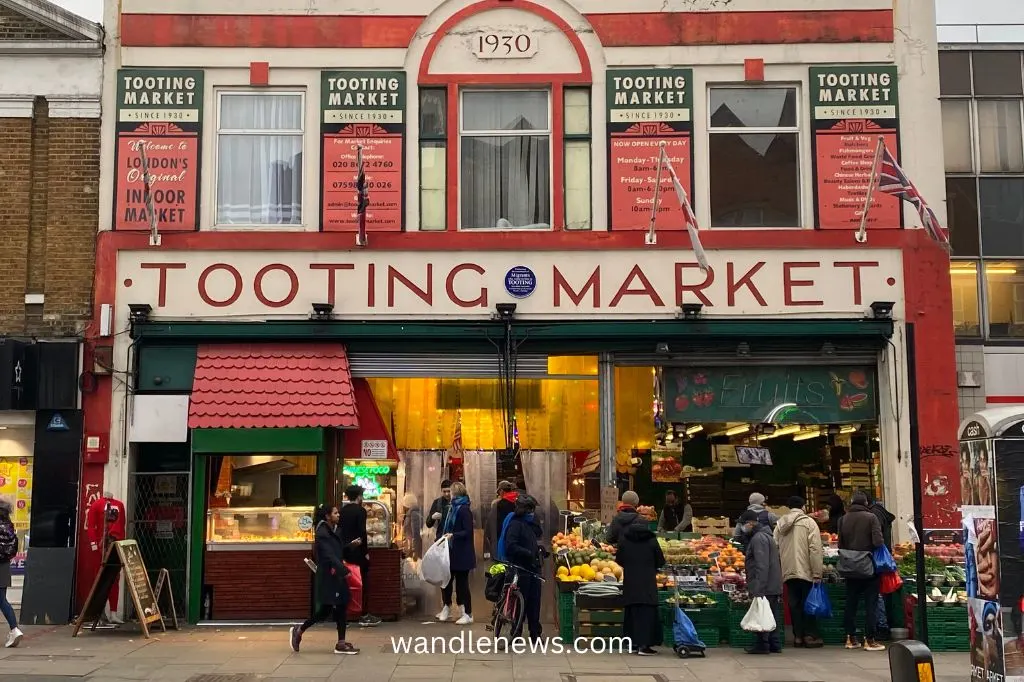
{"x": 535, "y": 324}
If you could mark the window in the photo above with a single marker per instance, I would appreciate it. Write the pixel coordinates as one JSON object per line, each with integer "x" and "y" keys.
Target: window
{"x": 954, "y": 73}
{"x": 963, "y": 277}
{"x": 577, "y": 159}
{"x": 259, "y": 158}
{"x": 999, "y": 136}
{"x": 505, "y": 152}
{"x": 956, "y": 135}
{"x": 754, "y": 158}
{"x": 997, "y": 73}
{"x": 962, "y": 210}
{"x": 1002, "y": 216}
{"x": 433, "y": 159}
{"x": 1005, "y": 284}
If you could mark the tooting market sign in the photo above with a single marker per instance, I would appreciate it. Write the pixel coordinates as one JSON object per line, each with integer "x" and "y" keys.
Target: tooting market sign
{"x": 433, "y": 284}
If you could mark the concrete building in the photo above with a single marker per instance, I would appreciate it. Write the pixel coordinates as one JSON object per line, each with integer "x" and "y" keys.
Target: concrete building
{"x": 505, "y": 308}
{"x": 52, "y": 63}
{"x": 980, "y": 74}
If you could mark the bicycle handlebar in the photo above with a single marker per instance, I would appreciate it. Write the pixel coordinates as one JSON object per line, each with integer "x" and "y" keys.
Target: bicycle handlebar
{"x": 520, "y": 568}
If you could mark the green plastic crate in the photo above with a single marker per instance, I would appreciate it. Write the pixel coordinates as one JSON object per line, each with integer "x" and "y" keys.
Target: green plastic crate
{"x": 949, "y": 643}
{"x": 599, "y": 616}
{"x": 566, "y": 615}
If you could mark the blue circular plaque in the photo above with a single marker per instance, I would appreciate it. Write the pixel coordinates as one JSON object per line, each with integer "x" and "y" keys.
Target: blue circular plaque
{"x": 520, "y": 281}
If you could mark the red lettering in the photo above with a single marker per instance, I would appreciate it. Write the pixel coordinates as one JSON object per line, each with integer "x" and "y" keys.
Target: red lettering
{"x": 331, "y": 269}
{"x": 371, "y": 286}
{"x": 161, "y": 295}
{"x": 788, "y": 283}
{"x": 205, "y": 295}
{"x": 695, "y": 289}
{"x": 647, "y": 290}
{"x": 293, "y": 285}
{"x": 733, "y": 285}
{"x": 425, "y": 295}
{"x": 855, "y": 266}
{"x": 449, "y": 287}
{"x": 592, "y": 285}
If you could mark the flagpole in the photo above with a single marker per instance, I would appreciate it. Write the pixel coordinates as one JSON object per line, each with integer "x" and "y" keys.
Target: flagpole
{"x": 360, "y": 206}
{"x": 652, "y": 238}
{"x": 147, "y": 197}
{"x": 862, "y": 234}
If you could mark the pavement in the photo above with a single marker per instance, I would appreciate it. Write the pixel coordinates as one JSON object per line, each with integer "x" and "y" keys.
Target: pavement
{"x": 247, "y": 654}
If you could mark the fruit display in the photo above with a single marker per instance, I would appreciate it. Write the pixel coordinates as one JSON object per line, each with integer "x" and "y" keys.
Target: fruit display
{"x": 598, "y": 570}
{"x": 647, "y": 512}
{"x": 947, "y": 554}
{"x": 680, "y": 553}
{"x": 574, "y": 542}
{"x": 829, "y": 539}
{"x": 699, "y": 600}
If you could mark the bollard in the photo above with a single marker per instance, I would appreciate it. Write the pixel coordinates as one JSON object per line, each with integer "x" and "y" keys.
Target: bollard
{"x": 911, "y": 661}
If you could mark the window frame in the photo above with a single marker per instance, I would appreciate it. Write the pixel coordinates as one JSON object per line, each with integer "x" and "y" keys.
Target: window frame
{"x": 981, "y": 301}
{"x": 436, "y": 141}
{"x": 797, "y": 130}
{"x": 220, "y": 94}
{"x": 568, "y": 138}
{"x": 553, "y": 137}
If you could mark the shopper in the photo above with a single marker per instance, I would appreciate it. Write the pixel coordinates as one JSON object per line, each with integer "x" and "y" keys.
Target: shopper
{"x": 860, "y": 531}
{"x": 836, "y": 510}
{"x": 353, "y": 525}
{"x": 412, "y": 526}
{"x": 331, "y": 575}
{"x": 519, "y": 542}
{"x": 625, "y": 516}
{"x": 764, "y": 575}
{"x": 675, "y": 516}
{"x": 458, "y": 528}
{"x": 755, "y": 503}
{"x": 886, "y": 519}
{"x": 8, "y": 549}
{"x": 640, "y": 556}
{"x": 439, "y": 508}
{"x": 800, "y": 551}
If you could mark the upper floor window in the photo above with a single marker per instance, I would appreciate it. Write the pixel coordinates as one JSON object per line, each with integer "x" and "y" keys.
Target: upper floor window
{"x": 259, "y": 158}
{"x": 505, "y": 159}
{"x": 753, "y": 157}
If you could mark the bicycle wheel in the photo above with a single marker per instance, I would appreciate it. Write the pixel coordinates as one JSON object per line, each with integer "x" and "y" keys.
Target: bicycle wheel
{"x": 510, "y": 617}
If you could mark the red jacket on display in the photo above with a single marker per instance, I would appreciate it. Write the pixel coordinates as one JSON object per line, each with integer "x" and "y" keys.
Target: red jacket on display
{"x": 94, "y": 520}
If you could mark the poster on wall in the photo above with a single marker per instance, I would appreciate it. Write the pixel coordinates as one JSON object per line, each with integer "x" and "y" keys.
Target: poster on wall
{"x": 362, "y": 108}
{"x": 850, "y": 107}
{"x": 1009, "y": 487}
{"x": 645, "y": 108}
{"x": 159, "y": 114}
{"x": 16, "y": 489}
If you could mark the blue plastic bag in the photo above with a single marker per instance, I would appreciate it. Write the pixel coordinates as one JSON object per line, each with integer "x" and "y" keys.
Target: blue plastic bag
{"x": 884, "y": 563}
{"x": 818, "y": 604}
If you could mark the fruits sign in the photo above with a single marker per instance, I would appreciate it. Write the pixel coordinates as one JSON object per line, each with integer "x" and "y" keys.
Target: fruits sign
{"x": 818, "y": 395}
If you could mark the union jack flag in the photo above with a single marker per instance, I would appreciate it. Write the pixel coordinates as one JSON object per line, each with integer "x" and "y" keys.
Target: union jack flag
{"x": 892, "y": 180}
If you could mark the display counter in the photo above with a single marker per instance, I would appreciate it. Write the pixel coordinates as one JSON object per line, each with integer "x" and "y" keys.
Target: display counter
{"x": 253, "y": 564}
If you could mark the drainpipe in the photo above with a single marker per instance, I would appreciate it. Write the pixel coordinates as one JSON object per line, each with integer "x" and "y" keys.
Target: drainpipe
{"x": 606, "y": 409}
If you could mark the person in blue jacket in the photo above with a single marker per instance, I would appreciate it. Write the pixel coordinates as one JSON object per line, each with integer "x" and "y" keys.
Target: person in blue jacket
{"x": 458, "y": 528}
{"x": 520, "y": 546}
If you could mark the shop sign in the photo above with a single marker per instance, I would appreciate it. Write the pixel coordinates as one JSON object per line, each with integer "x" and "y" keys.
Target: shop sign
{"x": 450, "y": 284}
{"x": 374, "y": 449}
{"x": 820, "y": 394}
{"x": 850, "y": 107}
{"x": 364, "y": 108}
{"x": 648, "y": 107}
{"x": 160, "y": 114}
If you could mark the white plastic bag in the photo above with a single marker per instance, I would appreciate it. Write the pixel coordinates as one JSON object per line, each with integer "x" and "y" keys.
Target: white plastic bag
{"x": 435, "y": 568}
{"x": 759, "y": 617}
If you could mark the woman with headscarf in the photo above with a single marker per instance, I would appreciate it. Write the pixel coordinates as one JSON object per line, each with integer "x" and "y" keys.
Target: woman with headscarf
{"x": 458, "y": 528}
{"x": 331, "y": 583}
{"x": 412, "y": 525}
{"x": 640, "y": 556}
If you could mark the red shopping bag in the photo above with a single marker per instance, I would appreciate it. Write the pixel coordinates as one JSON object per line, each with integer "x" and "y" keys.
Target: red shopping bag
{"x": 890, "y": 582}
{"x": 355, "y": 590}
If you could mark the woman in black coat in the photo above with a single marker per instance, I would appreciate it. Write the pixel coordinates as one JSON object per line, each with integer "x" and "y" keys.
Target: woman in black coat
{"x": 640, "y": 557}
{"x": 523, "y": 549}
{"x": 331, "y": 574}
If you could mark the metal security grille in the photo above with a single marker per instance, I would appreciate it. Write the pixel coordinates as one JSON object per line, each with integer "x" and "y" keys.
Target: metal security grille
{"x": 158, "y": 521}
{"x": 434, "y": 366}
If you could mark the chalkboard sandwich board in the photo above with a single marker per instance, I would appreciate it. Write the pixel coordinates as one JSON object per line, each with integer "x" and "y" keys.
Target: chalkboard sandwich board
{"x": 123, "y": 555}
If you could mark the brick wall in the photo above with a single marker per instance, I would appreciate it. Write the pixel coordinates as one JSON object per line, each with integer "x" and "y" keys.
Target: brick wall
{"x": 49, "y": 182}
{"x": 259, "y": 584}
{"x": 15, "y": 26}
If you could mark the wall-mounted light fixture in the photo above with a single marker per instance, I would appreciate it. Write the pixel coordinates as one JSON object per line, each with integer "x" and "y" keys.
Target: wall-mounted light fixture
{"x": 322, "y": 311}
{"x": 691, "y": 311}
{"x": 506, "y": 311}
{"x": 138, "y": 313}
{"x": 882, "y": 310}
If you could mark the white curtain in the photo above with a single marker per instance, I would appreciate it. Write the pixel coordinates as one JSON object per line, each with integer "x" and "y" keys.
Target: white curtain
{"x": 999, "y": 136}
{"x": 506, "y": 179}
{"x": 423, "y": 472}
{"x": 259, "y": 160}
{"x": 545, "y": 472}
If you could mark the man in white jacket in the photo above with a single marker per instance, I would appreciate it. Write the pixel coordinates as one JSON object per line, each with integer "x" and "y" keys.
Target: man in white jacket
{"x": 801, "y": 552}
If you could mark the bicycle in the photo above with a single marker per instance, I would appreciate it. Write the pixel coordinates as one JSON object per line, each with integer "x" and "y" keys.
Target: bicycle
{"x": 511, "y": 608}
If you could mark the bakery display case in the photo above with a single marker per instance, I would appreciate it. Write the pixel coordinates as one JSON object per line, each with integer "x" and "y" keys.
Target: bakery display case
{"x": 264, "y": 528}
{"x": 378, "y": 524}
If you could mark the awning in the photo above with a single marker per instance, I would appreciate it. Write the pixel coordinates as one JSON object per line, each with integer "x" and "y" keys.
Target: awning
{"x": 272, "y": 385}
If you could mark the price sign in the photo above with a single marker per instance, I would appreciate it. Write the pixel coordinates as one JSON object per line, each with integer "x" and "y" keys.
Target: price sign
{"x": 504, "y": 46}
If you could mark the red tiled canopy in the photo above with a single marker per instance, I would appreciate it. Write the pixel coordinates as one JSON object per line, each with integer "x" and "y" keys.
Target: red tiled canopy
{"x": 267, "y": 385}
